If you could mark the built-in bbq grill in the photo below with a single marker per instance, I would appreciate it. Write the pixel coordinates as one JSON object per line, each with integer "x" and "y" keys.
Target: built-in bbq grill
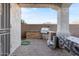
{"x": 44, "y": 32}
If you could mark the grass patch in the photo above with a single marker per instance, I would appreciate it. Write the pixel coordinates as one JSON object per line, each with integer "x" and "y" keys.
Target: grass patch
{"x": 25, "y": 42}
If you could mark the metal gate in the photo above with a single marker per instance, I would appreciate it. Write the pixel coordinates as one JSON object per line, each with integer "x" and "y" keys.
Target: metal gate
{"x": 5, "y": 29}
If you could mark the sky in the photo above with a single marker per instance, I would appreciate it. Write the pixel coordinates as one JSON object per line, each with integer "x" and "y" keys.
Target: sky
{"x": 74, "y": 13}
{"x": 48, "y": 15}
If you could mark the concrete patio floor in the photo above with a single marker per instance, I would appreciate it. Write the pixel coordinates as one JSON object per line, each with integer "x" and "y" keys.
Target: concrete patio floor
{"x": 38, "y": 47}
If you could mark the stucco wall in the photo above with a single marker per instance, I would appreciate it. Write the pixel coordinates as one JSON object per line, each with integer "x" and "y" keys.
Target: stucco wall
{"x": 15, "y": 27}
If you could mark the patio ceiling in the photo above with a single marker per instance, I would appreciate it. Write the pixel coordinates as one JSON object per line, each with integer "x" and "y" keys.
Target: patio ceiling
{"x": 55, "y": 6}
{"x": 40, "y": 5}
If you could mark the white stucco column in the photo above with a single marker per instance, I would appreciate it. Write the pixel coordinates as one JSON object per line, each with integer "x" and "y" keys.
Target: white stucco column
{"x": 63, "y": 21}
{"x": 15, "y": 21}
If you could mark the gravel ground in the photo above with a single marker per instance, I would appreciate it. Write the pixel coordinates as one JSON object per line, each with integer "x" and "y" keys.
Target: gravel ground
{"x": 38, "y": 47}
